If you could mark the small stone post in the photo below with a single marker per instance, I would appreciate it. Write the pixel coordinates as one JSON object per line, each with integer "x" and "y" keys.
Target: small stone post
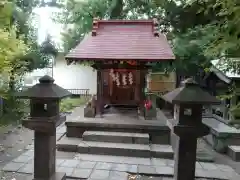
{"x": 188, "y": 100}
{"x": 44, "y": 118}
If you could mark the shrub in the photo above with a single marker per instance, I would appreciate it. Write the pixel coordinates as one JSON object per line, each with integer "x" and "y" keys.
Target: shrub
{"x": 69, "y": 104}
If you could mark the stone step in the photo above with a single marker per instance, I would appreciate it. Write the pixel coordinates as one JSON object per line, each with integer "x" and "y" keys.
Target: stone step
{"x": 116, "y": 149}
{"x": 159, "y": 132}
{"x": 116, "y": 137}
{"x": 234, "y": 153}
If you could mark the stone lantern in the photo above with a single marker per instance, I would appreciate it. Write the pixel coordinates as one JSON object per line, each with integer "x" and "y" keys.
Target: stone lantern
{"x": 44, "y": 118}
{"x": 188, "y": 101}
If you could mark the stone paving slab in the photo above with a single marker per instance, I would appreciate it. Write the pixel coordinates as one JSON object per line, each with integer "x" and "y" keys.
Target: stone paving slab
{"x": 115, "y": 176}
{"x": 111, "y": 167}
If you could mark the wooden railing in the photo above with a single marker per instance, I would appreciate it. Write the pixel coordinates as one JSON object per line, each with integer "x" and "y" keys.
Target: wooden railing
{"x": 77, "y": 92}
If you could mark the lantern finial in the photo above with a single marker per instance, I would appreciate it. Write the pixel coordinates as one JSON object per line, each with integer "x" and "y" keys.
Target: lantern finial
{"x": 46, "y": 80}
{"x": 189, "y": 82}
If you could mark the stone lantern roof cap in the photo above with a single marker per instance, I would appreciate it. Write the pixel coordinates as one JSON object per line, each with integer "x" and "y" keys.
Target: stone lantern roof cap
{"x": 45, "y": 89}
{"x": 190, "y": 93}
{"x": 46, "y": 79}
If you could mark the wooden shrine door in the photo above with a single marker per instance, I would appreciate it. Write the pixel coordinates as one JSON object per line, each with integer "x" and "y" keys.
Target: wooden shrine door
{"x": 122, "y": 93}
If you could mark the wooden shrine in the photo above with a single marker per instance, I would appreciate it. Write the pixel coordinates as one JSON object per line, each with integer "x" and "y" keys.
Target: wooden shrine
{"x": 121, "y": 51}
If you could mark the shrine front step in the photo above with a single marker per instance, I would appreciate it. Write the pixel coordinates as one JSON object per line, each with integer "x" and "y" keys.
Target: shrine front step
{"x": 115, "y": 149}
{"x": 116, "y": 137}
{"x": 158, "y": 131}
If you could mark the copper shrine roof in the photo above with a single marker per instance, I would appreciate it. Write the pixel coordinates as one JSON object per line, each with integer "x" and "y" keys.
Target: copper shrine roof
{"x": 123, "y": 40}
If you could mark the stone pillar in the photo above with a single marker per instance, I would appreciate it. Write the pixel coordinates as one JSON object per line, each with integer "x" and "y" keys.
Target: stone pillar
{"x": 44, "y": 118}
{"x": 188, "y": 101}
{"x": 44, "y": 155}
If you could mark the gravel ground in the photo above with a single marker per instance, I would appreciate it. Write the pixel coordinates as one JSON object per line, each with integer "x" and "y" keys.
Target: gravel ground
{"x": 13, "y": 142}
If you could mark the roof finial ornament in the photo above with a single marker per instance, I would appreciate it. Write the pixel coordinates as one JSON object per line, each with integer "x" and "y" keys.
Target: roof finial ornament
{"x": 95, "y": 26}
{"x": 155, "y": 22}
{"x": 155, "y": 27}
{"x": 95, "y": 19}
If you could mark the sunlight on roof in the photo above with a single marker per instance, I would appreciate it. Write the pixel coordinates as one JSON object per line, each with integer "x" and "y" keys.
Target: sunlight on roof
{"x": 221, "y": 65}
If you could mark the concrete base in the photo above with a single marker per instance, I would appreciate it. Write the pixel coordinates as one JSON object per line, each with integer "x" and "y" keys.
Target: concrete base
{"x": 234, "y": 153}
{"x": 56, "y": 176}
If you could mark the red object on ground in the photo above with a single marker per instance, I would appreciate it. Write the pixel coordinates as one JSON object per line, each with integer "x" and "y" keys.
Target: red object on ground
{"x": 123, "y": 40}
{"x": 148, "y": 104}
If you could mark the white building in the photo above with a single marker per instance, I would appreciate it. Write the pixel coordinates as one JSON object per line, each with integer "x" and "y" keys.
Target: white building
{"x": 71, "y": 77}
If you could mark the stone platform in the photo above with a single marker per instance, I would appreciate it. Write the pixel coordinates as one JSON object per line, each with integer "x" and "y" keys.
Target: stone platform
{"x": 91, "y": 167}
{"x": 159, "y": 132}
{"x": 113, "y": 133}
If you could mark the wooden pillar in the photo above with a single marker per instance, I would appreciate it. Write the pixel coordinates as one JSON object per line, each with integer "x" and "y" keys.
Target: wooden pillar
{"x": 142, "y": 90}
{"x": 99, "y": 92}
{"x": 102, "y": 92}
{"x": 137, "y": 87}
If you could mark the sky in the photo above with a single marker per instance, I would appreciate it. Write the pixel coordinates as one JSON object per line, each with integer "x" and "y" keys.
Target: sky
{"x": 45, "y": 25}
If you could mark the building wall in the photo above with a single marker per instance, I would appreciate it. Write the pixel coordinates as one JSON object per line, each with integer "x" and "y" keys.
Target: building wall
{"x": 161, "y": 83}
{"x": 73, "y": 76}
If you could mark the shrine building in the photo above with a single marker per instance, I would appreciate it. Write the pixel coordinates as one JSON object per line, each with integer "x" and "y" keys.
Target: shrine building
{"x": 122, "y": 52}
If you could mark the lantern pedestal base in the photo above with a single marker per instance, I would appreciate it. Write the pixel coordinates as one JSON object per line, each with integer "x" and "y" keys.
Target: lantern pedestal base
{"x": 55, "y": 176}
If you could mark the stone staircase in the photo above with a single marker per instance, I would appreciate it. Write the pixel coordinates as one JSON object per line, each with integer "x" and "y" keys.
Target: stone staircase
{"x": 116, "y": 144}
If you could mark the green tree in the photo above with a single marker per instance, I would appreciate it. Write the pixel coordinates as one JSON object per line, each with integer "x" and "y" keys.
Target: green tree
{"x": 78, "y": 16}
{"x": 19, "y": 52}
{"x": 189, "y": 37}
{"x": 227, "y": 33}
{"x": 11, "y": 47}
